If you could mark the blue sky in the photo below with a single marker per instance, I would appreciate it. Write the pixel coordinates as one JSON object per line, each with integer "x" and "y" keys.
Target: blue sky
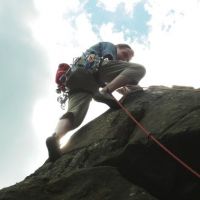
{"x": 135, "y": 24}
{"x": 36, "y": 35}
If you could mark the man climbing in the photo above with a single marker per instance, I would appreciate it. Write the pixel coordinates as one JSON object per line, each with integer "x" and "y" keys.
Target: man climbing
{"x": 113, "y": 71}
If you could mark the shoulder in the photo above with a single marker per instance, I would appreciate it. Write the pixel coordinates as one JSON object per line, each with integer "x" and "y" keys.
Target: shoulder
{"x": 106, "y": 44}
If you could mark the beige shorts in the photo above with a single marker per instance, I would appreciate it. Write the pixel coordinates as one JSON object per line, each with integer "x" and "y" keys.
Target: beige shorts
{"x": 79, "y": 101}
{"x": 132, "y": 71}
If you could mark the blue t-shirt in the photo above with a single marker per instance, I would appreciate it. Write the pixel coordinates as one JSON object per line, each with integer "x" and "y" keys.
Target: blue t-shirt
{"x": 103, "y": 49}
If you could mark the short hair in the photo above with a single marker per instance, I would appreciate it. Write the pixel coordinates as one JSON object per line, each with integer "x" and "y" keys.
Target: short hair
{"x": 122, "y": 46}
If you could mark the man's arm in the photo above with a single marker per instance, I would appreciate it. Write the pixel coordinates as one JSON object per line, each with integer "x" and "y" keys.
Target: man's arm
{"x": 104, "y": 49}
{"x": 108, "y": 50}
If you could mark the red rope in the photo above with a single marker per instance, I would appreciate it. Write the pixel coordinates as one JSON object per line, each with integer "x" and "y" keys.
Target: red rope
{"x": 149, "y": 135}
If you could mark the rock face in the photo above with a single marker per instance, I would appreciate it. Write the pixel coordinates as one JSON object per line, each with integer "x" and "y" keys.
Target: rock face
{"x": 111, "y": 158}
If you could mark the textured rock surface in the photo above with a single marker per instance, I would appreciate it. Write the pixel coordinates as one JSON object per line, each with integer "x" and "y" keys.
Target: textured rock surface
{"x": 111, "y": 158}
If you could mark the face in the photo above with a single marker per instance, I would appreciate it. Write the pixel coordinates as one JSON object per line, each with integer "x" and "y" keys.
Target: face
{"x": 124, "y": 54}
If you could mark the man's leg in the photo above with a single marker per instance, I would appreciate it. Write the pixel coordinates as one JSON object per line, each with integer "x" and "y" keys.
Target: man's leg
{"x": 129, "y": 89}
{"x": 63, "y": 126}
{"x": 116, "y": 83}
{"x": 117, "y": 74}
{"x": 77, "y": 108}
{"x": 120, "y": 73}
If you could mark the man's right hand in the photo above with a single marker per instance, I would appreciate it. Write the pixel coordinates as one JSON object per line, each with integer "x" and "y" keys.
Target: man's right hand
{"x": 91, "y": 58}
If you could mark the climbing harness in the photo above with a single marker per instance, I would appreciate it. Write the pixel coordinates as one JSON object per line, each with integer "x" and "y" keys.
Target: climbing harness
{"x": 90, "y": 62}
{"x": 150, "y": 136}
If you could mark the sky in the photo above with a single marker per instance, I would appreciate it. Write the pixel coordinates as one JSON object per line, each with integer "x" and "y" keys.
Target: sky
{"x": 37, "y": 35}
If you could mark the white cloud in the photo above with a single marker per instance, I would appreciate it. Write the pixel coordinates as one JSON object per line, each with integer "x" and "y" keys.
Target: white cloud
{"x": 83, "y": 34}
{"x": 107, "y": 33}
{"x": 63, "y": 28}
{"x": 172, "y": 54}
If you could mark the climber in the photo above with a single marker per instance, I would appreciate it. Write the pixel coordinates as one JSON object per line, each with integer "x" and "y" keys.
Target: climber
{"x": 103, "y": 65}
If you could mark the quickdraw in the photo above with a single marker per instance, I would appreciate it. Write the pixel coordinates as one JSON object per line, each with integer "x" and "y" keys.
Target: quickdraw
{"x": 62, "y": 98}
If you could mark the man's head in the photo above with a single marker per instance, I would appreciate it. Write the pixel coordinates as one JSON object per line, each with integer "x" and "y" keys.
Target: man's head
{"x": 124, "y": 52}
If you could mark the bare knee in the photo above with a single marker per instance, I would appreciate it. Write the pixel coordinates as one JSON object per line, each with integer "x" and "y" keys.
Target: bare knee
{"x": 134, "y": 73}
{"x": 138, "y": 68}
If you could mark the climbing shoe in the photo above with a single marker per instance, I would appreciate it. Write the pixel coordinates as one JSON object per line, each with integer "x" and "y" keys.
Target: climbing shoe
{"x": 126, "y": 90}
{"x": 105, "y": 97}
{"x": 53, "y": 148}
